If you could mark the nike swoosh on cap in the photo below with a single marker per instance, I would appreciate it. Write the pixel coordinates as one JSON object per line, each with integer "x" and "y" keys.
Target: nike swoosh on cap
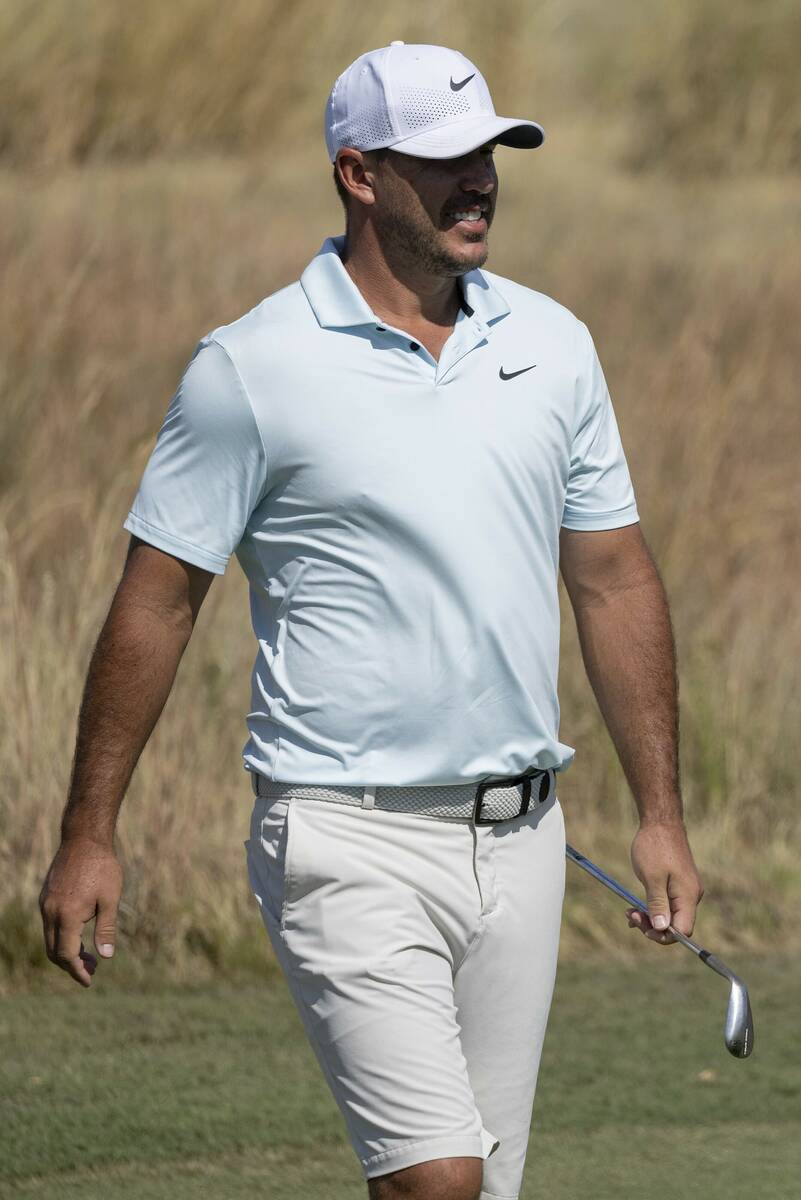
{"x": 457, "y": 87}
{"x": 511, "y": 374}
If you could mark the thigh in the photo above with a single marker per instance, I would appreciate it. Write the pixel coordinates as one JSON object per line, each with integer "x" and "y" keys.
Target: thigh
{"x": 367, "y": 912}
{"x": 504, "y": 986}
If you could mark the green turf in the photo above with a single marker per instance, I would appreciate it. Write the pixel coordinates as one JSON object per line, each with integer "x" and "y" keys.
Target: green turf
{"x": 215, "y": 1092}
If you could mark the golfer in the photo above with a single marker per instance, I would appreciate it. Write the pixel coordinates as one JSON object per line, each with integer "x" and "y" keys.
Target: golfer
{"x": 401, "y": 449}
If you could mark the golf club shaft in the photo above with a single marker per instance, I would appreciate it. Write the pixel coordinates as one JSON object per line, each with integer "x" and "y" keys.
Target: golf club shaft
{"x": 641, "y": 906}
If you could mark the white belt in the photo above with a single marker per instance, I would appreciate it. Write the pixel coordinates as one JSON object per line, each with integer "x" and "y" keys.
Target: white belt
{"x": 485, "y": 802}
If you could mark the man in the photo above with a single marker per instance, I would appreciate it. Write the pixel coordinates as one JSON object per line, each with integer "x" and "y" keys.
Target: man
{"x": 401, "y": 449}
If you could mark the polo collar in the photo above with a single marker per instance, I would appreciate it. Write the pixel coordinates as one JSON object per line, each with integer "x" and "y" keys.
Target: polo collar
{"x": 338, "y": 304}
{"x": 483, "y": 297}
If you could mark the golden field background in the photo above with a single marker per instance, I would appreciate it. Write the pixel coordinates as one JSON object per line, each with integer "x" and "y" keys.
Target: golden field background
{"x": 162, "y": 169}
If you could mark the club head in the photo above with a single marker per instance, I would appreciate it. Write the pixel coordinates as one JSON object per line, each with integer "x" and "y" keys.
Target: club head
{"x": 738, "y": 1032}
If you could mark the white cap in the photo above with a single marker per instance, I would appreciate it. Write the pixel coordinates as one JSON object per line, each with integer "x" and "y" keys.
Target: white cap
{"x": 422, "y": 100}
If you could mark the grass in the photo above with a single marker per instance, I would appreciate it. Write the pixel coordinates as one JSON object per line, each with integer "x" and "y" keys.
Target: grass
{"x": 165, "y": 1092}
{"x": 693, "y": 87}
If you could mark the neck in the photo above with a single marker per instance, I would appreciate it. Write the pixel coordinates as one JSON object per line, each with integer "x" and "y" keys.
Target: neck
{"x": 399, "y": 292}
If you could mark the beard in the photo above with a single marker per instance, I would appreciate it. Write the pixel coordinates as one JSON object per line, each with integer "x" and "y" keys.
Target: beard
{"x": 410, "y": 238}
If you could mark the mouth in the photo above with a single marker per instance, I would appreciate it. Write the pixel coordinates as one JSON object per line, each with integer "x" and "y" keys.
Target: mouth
{"x": 472, "y": 218}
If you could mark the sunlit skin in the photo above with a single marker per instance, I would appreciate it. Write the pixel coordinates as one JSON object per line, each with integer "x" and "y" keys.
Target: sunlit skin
{"x": 405, "y": 248}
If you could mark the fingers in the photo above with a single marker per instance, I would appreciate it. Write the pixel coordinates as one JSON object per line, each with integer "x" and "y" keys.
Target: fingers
{"x": 658, "y": 902}
{"x": 658, "y": 912}
{"x": 62, "y": 927}
{"x": 640, "y": 920}
{"x": 69, "y": 954}
{"x": 654, "y": 923}
{"x": 63, "y": 941}
{"x": 106, "y": 925}
{"x": 685, "y": 897}
{"x": 684, "y": 916}
{"x": 48, "y": 927}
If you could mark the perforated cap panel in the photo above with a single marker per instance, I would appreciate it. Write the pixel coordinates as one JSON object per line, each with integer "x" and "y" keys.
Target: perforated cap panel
{"x": 422, "y": 107}
{"x": 366, "y": 130}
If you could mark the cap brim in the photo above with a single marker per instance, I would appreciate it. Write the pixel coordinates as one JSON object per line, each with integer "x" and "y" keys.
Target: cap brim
{"x": 459, "y": 137}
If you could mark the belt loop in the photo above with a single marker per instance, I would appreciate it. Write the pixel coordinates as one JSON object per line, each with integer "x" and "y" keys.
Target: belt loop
{"x": 368, "y": 799}
{"x": 526, "y": 788}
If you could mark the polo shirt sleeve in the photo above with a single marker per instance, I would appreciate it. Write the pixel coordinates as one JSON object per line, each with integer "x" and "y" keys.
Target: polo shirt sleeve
{"x": 599, "y": 489}
{"x": 208, "y": 469}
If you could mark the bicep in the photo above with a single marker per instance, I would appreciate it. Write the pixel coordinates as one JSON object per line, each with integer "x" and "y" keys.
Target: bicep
{"x": 597, "y": 563}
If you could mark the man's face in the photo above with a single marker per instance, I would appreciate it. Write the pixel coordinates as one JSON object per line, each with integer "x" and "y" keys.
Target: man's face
{"x": 434, "y": 214}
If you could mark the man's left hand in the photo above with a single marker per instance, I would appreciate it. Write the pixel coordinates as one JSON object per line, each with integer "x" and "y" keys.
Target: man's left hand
{"x": 663, "y": 862}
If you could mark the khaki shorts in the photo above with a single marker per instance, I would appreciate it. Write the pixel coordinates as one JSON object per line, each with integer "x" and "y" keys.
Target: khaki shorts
{"x": 421, "y": 956}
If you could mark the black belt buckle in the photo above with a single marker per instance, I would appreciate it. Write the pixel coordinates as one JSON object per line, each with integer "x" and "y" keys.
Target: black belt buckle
{"x": 526, "y": 778}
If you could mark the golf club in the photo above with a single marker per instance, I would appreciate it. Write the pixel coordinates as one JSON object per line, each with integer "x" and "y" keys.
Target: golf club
{"x": 738, "y": 1030}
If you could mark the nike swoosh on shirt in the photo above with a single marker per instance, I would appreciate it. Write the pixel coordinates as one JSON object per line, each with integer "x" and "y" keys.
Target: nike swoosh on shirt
{"x": 511, "y": 374}
{"x": 457, "y": 87}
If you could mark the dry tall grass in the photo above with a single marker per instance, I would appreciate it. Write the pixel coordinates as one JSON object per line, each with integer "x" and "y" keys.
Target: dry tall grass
{"x": 125, "y": 234}
{"x": 691, "y": 86}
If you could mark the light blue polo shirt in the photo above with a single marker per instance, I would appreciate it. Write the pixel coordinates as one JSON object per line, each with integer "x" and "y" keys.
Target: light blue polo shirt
{"x": 397, "y": 519}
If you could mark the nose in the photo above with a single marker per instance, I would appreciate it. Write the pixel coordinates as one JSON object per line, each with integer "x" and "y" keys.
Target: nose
{"x": 478, "y": 174}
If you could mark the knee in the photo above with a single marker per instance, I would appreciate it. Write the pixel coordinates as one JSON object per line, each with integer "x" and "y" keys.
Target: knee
{"x": 439, "y": 1179}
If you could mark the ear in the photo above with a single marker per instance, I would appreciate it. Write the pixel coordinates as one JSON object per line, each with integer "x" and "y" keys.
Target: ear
{"x": 355, "y": 175}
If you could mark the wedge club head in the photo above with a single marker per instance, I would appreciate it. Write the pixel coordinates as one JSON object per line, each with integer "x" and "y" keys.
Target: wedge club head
{"x": 738, "y": 1028}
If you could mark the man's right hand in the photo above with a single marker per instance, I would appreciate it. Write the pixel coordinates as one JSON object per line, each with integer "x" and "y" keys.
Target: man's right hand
{"x": 84, "y": 881}
{"x": 131, "y": 671}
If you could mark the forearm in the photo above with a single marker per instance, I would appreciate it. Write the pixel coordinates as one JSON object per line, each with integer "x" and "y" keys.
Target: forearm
{"x": 129, "y": 679}
{"x": 629, "y": 655}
